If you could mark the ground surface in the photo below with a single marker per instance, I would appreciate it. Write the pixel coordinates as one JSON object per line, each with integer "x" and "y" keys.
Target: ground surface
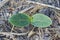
{"x": 14, "y": 6}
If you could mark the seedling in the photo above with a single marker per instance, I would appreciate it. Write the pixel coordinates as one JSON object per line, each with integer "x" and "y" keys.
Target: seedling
{"x": 19, "y": 20}
{"x": 38, "y": 20}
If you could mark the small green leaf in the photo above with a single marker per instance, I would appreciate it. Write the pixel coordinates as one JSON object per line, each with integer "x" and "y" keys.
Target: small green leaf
{"x": 41, "y": 20}
{"x": 20, "y": 20}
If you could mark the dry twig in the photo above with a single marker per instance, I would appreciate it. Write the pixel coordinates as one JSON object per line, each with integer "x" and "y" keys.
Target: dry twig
{"x": 43, "y": 4}
{"x": 9, "y": 33}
